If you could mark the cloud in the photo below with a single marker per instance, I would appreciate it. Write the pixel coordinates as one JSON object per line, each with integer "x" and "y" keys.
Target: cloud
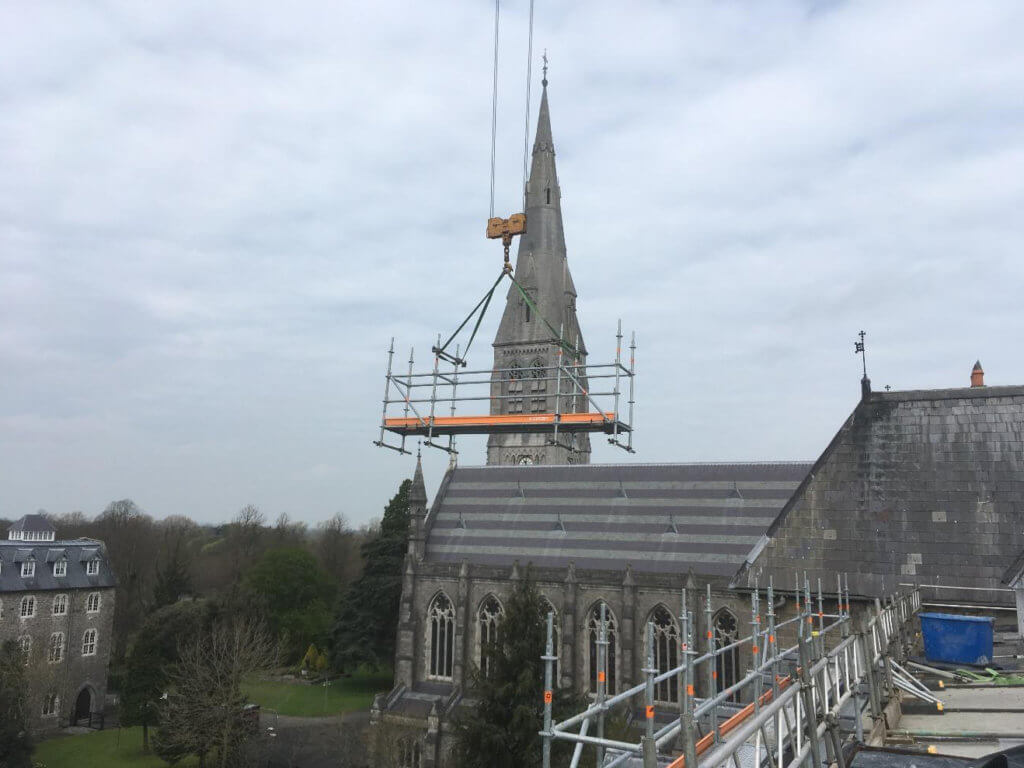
{"x": 213, "y": 218}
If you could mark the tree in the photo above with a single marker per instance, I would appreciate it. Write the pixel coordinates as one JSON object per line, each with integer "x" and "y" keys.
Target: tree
{"x": 364, "y": 632}
{"x": 203, "y": 713}
{"x": 173, "y": 578}
{"x": 337, "y": 549}
{"x": 132, "y": 545}
{"x": 151, "y": 657}
{"x": 500, "y": 731}
{"x": 16, "y": 743}
{"x": 295, "y": 595}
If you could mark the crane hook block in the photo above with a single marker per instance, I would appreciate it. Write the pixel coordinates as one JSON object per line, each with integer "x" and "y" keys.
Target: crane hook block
{"x": 501, "y": 229}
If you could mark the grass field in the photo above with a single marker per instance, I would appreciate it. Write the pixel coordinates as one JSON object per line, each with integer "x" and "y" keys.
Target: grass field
{"x": 116, "y": 748}
{"x": 122, "y": 748}
{"x": 301, "y": 699}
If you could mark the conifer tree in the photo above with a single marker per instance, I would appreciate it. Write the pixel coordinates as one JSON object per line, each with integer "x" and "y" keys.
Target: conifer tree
{"x": 501, "y": 729}
{"x": 15, "y": 740}
{"x": 367, "y": 622}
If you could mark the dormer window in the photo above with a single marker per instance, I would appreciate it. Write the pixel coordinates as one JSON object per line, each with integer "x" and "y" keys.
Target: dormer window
{"x": 92, "y": 567}
{"x": 60, "y": 568}
{"x": 28, "y": 569}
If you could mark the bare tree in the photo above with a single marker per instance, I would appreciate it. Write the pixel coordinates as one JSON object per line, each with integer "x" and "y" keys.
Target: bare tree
{"x": 338, "y": 550}
{"x": 204, "y": 713}
{"x": 245, "y": 537}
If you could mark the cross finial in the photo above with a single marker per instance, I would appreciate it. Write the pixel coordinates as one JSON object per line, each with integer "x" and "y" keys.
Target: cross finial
{"x": 544, "y": 58}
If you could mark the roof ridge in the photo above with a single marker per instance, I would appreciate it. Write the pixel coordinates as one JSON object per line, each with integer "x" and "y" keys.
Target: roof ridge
{"x": 533, "y": 467}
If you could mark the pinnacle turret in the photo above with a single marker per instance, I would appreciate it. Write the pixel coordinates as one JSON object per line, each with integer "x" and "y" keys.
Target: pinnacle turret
{"x": 418, "y": 489}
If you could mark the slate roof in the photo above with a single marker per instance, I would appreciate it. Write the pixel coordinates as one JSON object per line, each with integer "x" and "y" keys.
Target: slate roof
{"x": 922, "y": 486}
{"x": 35, "y": 523}
{"x": 77, "y": 551}
{"x": 662, "y": 518}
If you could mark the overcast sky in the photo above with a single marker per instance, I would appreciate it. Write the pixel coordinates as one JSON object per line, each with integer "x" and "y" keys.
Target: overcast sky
{"x": 214, "y": 215}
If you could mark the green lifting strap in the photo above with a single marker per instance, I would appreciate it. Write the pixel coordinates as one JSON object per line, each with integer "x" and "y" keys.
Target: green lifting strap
{"x": 481, "y": 306}
{"x": 557, "y": 338}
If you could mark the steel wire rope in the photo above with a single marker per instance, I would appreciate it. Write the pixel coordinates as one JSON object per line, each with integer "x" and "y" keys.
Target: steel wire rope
{"x": 526, "y": 125}
{"x": 494, "y": 102}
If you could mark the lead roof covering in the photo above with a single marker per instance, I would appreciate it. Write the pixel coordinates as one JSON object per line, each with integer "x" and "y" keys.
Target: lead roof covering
{"x": 664, "y": 518}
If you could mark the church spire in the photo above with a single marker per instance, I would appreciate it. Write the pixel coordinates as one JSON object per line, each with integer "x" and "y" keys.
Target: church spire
{"x": 418, "y": 489}
{"x": 524, "y": 340}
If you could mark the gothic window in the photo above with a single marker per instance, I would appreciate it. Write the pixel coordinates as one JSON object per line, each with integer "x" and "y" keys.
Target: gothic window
{"x": 56, "y": 647}
{"x": 92, "y": 603}
{"x": 666, "y": 654}
{"x": 727, "y": 664}
{"x": 593, "y": 637}
{"x": 546, "y": 608}
{"x": 441, "y": 638}
{"x": 28, "y": 607}
{"x": 60, "y": 605}
{"x": 488, "y": 621}
{"x": 410, "y": 753}
{"x": 538, "y": 384}
{"x": 515, "y": 388}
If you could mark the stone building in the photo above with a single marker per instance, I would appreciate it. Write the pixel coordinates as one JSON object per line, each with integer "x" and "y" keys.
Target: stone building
{"x": 57, "y": 602}
{"x": 523, "y": 351}
{"x": 920, "y": 486}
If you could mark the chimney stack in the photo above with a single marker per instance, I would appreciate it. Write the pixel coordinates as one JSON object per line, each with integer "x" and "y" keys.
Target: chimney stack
{"x": 977, "y": 375}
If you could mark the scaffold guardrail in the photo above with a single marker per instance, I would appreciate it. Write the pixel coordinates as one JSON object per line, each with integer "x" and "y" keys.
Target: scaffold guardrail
{"x": 794, "y": 694}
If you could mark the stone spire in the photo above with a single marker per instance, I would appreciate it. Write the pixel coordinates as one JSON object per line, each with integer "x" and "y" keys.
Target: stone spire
{"x": 524, "y": 340}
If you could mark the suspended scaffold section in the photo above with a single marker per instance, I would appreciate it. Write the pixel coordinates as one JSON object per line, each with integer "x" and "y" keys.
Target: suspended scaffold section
{"x": 566, "y": 396}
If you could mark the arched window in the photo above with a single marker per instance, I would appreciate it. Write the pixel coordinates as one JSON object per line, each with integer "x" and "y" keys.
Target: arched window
{"x": 441, "y": 638}
{"x": 488, "y": 622}
{"x": 28, "y": 607}
{"x": 89, "y": 643}
{"x": 538, "y": 386}
{"x": 515, "y": 387}
{"x": 410, "y": 752}
{"x": 666, "y": 654}
{"x": 593, "y": 636}
{"x": 727, "y": 664}
{"x": 546, "y": 608}
{"x": 56, "y": 647}
{"x": 60, "y": 605}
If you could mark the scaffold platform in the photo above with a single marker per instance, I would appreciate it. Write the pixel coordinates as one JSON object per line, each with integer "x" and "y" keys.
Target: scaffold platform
{"x": 534, "y": 423}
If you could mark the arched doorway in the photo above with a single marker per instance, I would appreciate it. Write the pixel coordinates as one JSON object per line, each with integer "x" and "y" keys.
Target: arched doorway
{"x": 83, "y": 705}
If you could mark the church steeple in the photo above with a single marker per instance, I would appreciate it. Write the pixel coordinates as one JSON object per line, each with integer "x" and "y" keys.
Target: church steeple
{"x": 524, "y": 340}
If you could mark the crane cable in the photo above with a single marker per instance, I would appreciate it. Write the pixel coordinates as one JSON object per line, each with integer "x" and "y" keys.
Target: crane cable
{"x": 526, "y": 128}
{"x": 494, "y": 101}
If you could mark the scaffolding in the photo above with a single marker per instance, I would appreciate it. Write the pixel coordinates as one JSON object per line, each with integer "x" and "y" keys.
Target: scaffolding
{"x": 797, "y": 695}
{"x": 567, "y": 396}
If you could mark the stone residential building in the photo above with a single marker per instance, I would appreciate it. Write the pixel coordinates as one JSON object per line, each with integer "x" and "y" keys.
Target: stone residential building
{"x": 57, "y": 603}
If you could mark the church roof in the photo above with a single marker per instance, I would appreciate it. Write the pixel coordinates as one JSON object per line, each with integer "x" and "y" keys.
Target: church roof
{"x": 918, "y": 486}
{"x": 658, "y": 518}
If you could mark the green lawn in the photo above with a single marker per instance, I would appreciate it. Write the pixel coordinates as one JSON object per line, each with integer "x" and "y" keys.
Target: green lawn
{"x": 302, "y": 699}
{"x": 116, "y": 748}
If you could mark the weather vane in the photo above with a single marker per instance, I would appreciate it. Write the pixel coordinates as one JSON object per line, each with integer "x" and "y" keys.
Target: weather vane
{"x": 544, "y": 58}
{"x": 858, "y": 349}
